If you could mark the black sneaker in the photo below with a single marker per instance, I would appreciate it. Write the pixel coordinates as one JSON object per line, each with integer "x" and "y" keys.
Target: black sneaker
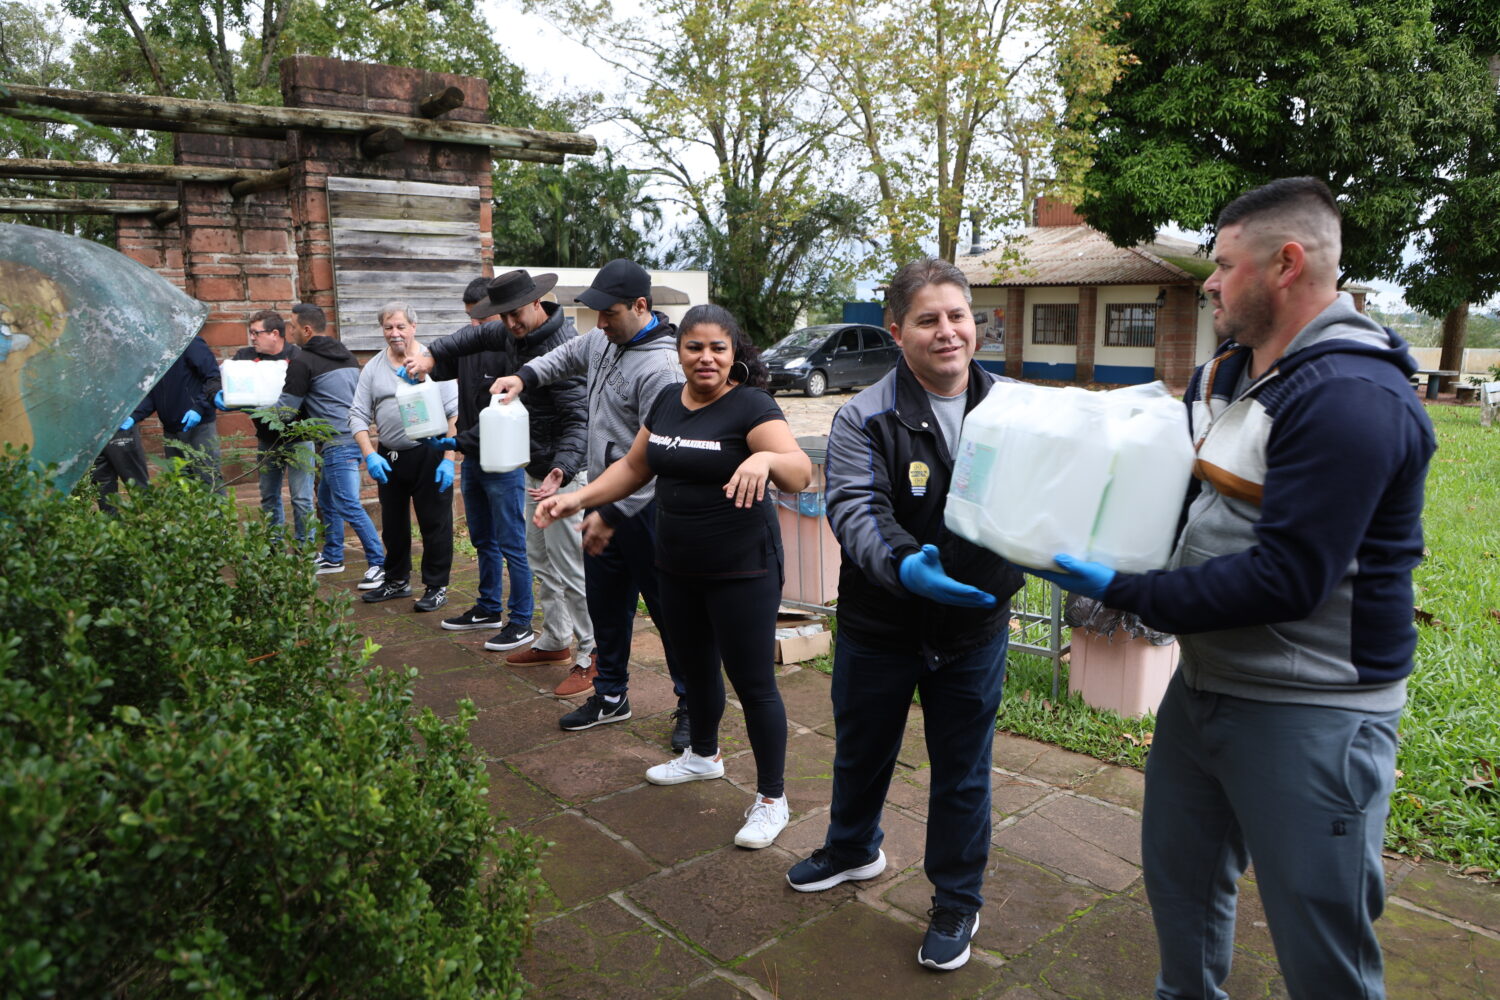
{"x": 595, "y": 712}
{"x": 471, "y": 619}
{"x": 388, "y": 591}
{"x": 432, "y": 598}
{"x": 322, "y": 565}
{"x": 824, "y": 870}
{"x": 511, "y": 636}
{"x": 682, "y": 733}
{"x": 946, "y": 946}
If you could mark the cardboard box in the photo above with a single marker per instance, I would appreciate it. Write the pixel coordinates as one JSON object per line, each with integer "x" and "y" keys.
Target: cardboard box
{"x": 1125, "y": 675}
{"x": 812, "y": 553}
{"x": 797, "y": 648}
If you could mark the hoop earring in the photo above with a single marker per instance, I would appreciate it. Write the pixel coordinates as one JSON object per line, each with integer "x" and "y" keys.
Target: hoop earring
{"x": 739, "y": 364}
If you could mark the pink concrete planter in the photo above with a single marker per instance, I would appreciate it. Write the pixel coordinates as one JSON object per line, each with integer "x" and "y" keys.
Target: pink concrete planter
{"x": 1124, "y": 675}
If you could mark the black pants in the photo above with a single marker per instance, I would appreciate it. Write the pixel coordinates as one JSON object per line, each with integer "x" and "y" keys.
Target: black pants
{"x": 615, "y": 581}
{"x": 412, "y": 482}
{"x": 733, "y": 621}
{"x": 122, "y": 458}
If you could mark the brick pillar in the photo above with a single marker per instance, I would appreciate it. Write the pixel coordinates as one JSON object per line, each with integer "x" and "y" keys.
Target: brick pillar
{"x": 1088, "y": 297}
{"x": 141, "y": 239}
{"x": 1015, "y": 330}
{"x": 1177, "y": 335}
{"x": 318, "y": 82}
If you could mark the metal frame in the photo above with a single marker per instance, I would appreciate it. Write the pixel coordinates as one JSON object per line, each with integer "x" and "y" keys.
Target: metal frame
{"x": 1039, "y": 631}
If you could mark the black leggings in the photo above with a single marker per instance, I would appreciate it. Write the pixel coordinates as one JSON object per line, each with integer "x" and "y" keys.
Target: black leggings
{"x": 733, "y": 620}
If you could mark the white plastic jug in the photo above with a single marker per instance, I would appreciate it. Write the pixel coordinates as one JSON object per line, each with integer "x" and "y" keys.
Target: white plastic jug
{"x": 1099, "y": 475}
{"x": 504, "y": 436}
{"x": 421, "y": 407}
{"x": 251, "y": 383}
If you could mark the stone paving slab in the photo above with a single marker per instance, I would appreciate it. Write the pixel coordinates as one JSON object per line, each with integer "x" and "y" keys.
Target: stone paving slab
{"x": 805, "y": 694}
{"x": 1429, "y": 957}
{"x": 584, "y": 862}
{"x": 859, "y": 953}
{"x": 1037, "y": 838}
{"x": 809, "y": 771}
{"x": 673, "y": 823}
{"x": 1023, "y": 903}
{"x": 584, "y": 766}
{"x": 504, "y": 730}
{"x": 728, "y": 902}
{"x": 514, "y": 800}
{"x": 481, "y": 684}
{"x": 602, "y": 950}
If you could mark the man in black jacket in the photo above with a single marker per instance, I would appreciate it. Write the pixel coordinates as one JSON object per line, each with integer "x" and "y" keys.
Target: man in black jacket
{"x": 183, "y": 400}
{"x": 920, "y": 609}
{"x": 494, "y": 502}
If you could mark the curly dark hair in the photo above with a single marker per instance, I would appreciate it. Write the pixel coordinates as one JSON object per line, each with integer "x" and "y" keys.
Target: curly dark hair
{"x": 745, "y": 352}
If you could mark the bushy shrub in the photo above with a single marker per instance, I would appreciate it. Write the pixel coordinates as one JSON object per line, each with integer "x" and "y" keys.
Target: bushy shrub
{"x": 205, "y": 790}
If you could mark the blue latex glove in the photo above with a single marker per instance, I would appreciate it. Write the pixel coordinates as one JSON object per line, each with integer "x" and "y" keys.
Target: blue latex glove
{"x": 378, "y": 468}
{"x": 922, "y": 574}
{"x": 444, "y": 475}
{"x": 408, "y": 377}
{"x": 1090, "y": 579}
{"x": 442, "y": 444}
{"x": 191, "y": 419}
{"x": 219, "y": 400}
{"x": 127, "y": 423}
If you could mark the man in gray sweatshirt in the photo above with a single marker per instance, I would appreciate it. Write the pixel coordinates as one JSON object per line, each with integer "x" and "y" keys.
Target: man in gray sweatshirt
{"x": 629, "y": 358}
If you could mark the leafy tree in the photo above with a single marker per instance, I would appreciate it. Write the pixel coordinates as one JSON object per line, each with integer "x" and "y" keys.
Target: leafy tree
{"x": 582, "y": 214}
{"x": 1220, "y": 96}
{"x": 958, "y": 109}
{"x": 738, "y": 139}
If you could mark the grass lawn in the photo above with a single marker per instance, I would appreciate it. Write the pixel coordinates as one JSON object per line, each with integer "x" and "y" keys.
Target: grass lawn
{"x": 1447, "y": 800}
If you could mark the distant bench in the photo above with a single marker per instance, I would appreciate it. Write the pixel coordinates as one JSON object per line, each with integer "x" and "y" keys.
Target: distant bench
{"x": 1435, "y": 378}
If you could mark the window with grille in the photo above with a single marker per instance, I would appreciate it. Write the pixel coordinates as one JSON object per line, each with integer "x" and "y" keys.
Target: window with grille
{"x": 1130, "y": 325}
{"x": 1055, "y": 323}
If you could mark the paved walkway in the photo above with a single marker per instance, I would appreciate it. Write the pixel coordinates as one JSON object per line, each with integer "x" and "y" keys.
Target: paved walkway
{"x": 647, "y": 896}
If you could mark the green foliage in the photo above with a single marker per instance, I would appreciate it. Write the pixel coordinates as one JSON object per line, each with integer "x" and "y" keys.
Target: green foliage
{"x": 1221, "y": 96}
{"x": 582, "y": 214}
{"x": 204, "y": 790}
{"x": 1422, "y": 330}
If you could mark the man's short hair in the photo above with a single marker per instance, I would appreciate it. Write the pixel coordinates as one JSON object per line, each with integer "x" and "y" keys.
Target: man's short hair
{"x": 310, "y": 315}
{"x": 270, "y": 320}
{"x": 1292, "y": 209}
{"x": 917, "y": 275}
{"x": 478, "y": 289}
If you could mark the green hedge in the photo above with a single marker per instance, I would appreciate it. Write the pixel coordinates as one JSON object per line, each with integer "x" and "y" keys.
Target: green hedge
{"x": 205, "y": 790}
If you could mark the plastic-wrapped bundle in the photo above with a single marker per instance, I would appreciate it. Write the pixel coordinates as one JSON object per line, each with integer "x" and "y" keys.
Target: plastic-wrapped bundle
{"x": 1100, "y": 475}
{"x": 1087, "y": 613}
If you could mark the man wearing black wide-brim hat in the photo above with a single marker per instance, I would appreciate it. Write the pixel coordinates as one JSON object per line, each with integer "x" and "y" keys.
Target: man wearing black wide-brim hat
{"x": 510, "y": 326}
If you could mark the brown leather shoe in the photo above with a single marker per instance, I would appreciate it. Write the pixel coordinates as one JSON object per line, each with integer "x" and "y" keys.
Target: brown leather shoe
{"x": 580, "y": 680}
{"x": 532, "y": 656}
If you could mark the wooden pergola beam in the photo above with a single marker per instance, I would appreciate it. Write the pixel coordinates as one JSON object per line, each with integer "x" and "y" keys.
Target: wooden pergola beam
{"x": 175, "y": 114}
{"x": 444, "y": 100}
{"x": 143, "y": 173}
{"x": 86, "y": 206}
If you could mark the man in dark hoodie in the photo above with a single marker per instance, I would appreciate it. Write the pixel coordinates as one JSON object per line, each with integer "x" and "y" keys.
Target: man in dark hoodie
{"x": 477, "y": 355}
{"x": 320, "y": 383}
{"x": 183, "y": 399}
{"x": 1290, "y": 589}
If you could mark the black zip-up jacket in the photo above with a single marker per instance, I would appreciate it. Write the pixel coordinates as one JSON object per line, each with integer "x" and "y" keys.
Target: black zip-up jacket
{"x": 190, "y": 384}
{"x": 320, "y": 383}
{"x": 888, "y": 473}
{"x": 288, "y": 351}
{"x": 558, "y": 414}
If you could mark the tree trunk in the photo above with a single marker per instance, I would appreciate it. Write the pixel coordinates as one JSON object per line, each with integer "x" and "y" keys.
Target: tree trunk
{"x": 1455, "y": 330}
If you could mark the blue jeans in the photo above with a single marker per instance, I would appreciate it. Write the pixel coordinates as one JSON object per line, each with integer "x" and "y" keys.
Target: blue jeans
{"x": 1303, "y": 790}
{"x": 495, "y": 505}
{"x": 299, "y": 467}
{"x": 338, "y": 497}
{"x": 872, "y": 692}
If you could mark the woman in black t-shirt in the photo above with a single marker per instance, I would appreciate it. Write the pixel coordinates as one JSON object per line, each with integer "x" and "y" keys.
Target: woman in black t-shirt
{"x": 712, "y": 446}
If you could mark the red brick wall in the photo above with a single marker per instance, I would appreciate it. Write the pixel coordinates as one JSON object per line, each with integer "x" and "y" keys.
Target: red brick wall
{"x": 1088, "y": 298}
{"x": 1176, "y": 335}
{"x": 1015, "y": 330}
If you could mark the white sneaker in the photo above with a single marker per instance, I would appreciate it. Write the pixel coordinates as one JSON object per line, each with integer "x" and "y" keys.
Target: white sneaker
{"x": 374, "y": 577}
{"x": 688, "y": 767}
{"x": 763, "y": 821}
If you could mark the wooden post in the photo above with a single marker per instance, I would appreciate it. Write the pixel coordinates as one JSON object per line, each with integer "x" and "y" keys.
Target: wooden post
{"x": 381, "y": 141}
{"x": 267, "y": 180}
{"x": 140, "y": 173}
{"x": 441, "y": 102}
{"x": 85, "y": 206}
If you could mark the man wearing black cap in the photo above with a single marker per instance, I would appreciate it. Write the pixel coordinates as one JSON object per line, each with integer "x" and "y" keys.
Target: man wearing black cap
{"x": 627, "y": 360}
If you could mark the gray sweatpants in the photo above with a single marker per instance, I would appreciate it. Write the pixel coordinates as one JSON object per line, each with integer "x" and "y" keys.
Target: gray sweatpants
{"x": 555, "y": 554}
{"x": 1300, "y": 790}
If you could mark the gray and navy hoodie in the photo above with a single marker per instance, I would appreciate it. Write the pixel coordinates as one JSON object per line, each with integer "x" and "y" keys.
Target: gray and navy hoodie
{"x": 320, "y": 382}
{"x": 1291, "y": 580}
{"x": 622, "y": 382}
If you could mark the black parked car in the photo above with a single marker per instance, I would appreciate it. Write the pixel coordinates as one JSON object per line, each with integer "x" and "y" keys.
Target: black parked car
{"x": 836, "y": 355}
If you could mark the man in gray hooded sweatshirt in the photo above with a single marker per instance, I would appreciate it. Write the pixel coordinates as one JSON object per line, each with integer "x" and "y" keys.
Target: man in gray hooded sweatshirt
{"x": 629, "y": 358}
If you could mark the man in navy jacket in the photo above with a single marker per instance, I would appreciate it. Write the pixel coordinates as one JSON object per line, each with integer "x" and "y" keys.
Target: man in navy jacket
{"x": 183, "y": 399}
{"x": 1290, "y": 589}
